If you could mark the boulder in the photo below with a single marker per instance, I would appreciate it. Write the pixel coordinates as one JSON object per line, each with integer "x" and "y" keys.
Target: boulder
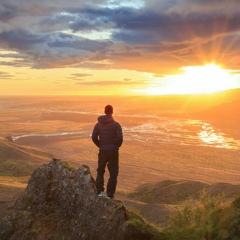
{"x": 61, "y": 203}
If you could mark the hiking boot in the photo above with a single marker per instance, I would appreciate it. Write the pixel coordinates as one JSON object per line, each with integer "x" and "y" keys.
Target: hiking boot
{"x": 101, "y": 194}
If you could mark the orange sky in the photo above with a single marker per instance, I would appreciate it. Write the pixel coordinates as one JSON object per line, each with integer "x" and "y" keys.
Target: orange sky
{"x": 137, "y": 47}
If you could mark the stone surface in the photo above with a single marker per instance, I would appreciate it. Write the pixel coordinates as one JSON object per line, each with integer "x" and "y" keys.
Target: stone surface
{"x": 61, "y": 203}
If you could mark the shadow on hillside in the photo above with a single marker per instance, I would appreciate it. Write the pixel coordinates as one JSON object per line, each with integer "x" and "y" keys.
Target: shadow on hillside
{"x": 157, "y": 201}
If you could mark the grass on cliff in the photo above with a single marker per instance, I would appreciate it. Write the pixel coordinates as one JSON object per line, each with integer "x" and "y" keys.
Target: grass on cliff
{"x": 19, "y": 161}
{"x": 141, "y": 229}
{"x": 209, "y": 218}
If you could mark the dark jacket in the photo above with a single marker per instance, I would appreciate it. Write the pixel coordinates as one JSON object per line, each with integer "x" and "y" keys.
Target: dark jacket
{"x": 107, "y": 133}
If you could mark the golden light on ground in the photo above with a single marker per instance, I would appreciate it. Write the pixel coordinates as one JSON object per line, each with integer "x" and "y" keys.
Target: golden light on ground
{"x": 209, "y": 78}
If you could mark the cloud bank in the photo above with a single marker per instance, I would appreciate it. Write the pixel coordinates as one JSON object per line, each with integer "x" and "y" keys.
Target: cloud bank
{"x": 152, "y": 36}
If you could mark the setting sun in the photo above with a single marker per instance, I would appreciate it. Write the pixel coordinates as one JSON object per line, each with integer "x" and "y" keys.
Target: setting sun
{"x": 194, "y": 80}
{"x": 205, "y": 79}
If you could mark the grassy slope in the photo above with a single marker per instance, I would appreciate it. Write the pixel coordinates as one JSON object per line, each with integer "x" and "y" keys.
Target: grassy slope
{"x": 19, "y": 161}
{"x": 173, "y": 192}
{"x": 16, "y": 165}
{"x": 153, "y": 201}
{"x": 156, "y": 201}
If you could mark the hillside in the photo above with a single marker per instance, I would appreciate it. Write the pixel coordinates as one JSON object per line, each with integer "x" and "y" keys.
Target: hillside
{"x": 61, "y": 203}
{"x": 17, "y": 160}
{"x": 16, "y": 166}
{"x": 176, "y": 192}
{"x": 157, "y": 201}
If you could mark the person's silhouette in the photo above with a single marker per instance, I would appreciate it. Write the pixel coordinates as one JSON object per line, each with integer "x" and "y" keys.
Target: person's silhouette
{"x": 107, "y": 136}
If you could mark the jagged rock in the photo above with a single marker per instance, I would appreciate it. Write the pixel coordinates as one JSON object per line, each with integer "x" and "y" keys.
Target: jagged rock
{"x": 61, "y": 203}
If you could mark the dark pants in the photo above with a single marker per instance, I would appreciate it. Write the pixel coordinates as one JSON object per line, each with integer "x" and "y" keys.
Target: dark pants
{"x": 111, "y": 159}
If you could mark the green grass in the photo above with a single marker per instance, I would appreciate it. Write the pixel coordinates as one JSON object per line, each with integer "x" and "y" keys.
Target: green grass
{"x": 64, "y": 164}
{"x": 19, "y": 161}
{"x": 141, "y": 229}
{"x": 209, "y": 218}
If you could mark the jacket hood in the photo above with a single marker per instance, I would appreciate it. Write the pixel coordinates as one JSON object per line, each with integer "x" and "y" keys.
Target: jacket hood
{"x": 105, "y": 119}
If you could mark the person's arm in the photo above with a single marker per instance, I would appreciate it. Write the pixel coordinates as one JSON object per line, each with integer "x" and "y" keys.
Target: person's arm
{"x": 119, "y": 139}
{"x": 95, "y": 134}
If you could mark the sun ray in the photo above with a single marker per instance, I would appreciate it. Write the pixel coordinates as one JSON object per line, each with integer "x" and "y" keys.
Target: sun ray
{"x": 206, "y": 79}
{"x": 209, "y": 78}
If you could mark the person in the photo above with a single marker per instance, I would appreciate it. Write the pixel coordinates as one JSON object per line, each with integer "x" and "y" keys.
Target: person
{"x": 107, "y": 136}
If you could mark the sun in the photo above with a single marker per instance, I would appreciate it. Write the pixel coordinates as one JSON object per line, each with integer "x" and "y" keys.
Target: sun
{"x": 204, "y": 79}
{"x": 209, "y": 78}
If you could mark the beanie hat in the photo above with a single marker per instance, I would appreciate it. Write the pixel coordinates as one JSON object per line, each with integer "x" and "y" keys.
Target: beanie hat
{"x": 108, "y": 109}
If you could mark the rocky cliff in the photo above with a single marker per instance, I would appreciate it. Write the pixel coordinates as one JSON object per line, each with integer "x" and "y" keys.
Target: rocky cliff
{"x": 61, "y": 203}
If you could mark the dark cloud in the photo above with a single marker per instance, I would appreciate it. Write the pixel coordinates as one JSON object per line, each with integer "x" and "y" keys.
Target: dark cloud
{"x": 57, "y": 33}
{"x": 12, "y": 55}
{"x": 89, "y": 23}
{"x": 16, "y": 63}
{"x": 146, "y": 26}
{"x": 15, "y": 59}
{"x": 7, "y": 11}
{"x": 69, "y": 41}
{"x": 21, "y": 40}
{"x": 55, "y": 22}
{"x": 149, "y": 28}
{"x": 194, "y": 6}
{"x": 53, "y": 50}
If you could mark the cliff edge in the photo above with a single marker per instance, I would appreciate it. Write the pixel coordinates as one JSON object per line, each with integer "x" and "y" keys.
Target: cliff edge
{"x": 61, "y": 203}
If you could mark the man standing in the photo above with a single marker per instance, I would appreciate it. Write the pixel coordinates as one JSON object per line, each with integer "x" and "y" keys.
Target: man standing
{"x": 107, "y": 136}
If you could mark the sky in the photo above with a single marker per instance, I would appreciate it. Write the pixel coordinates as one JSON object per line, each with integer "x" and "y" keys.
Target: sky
{"x": 109, "y": 47}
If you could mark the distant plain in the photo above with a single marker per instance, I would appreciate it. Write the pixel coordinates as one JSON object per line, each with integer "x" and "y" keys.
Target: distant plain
{"x": 180, "y": 138}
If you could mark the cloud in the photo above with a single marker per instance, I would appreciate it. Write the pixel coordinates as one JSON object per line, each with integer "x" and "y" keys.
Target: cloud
{"x": 82, "y": 75}
{"x": 12, "y": 55}
{"x": 193, "y": 6}
{"x": 150, "y": 28}
{"x": 7, "y": 11}
{"x": 15, "y": 64}
{"x": 154, "y": 36}
{"x": 5, "y": 76}
{"x": 121, "y": 82}
{"x": 53, "y": 50}
{"x": 98, "y": 83}
{"x": 20, "y": 40}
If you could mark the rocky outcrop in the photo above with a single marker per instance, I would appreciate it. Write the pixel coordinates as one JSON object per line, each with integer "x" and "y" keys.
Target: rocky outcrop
{"x": 61, "y": 203}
